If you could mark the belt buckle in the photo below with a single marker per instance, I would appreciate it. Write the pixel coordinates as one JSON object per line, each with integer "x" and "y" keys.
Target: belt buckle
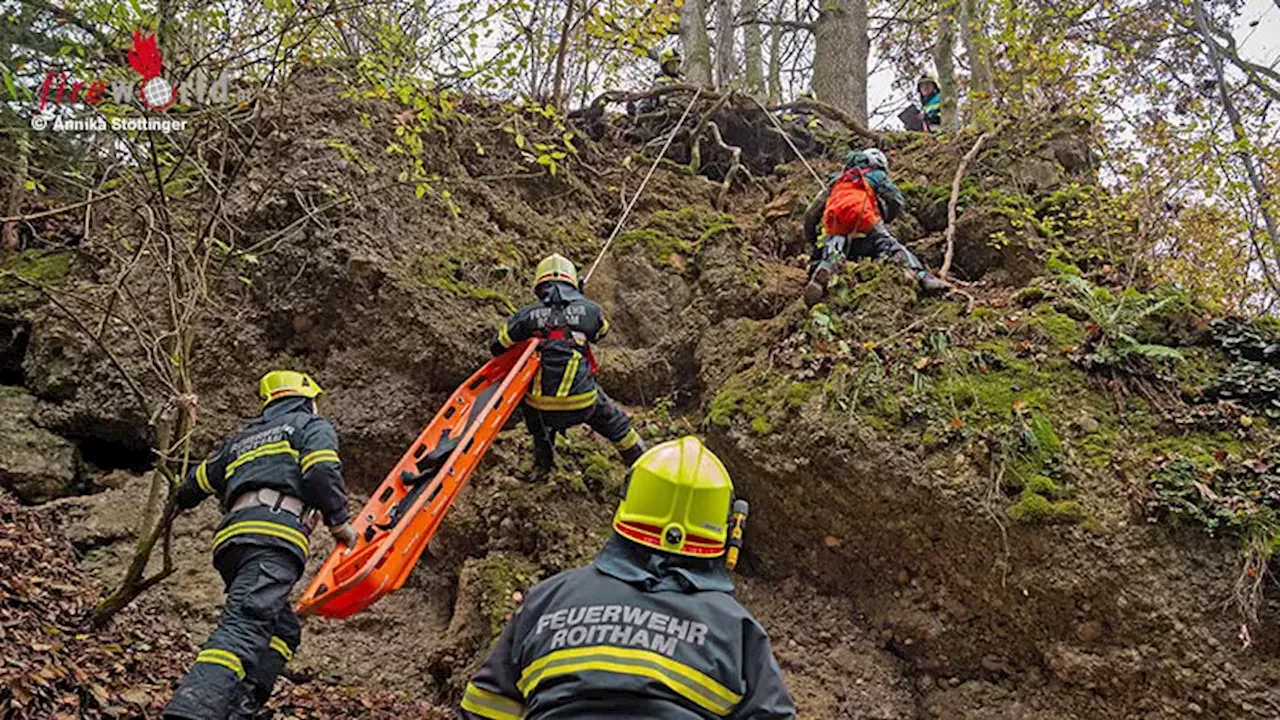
{"x": 275, "y": 506}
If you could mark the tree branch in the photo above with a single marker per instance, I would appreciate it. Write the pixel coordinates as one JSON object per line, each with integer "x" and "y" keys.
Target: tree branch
{"x": 955, "y": 198}
{"x": 835, "y": 113}
{"x": 1237, "y": 130}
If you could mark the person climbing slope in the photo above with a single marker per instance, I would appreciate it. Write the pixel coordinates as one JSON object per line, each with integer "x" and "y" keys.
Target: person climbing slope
{"x": 272, "y": 477}
{"x": 650, "y": 630}
{"x": 852, "y": 214}
{"x": 564, "y": 392}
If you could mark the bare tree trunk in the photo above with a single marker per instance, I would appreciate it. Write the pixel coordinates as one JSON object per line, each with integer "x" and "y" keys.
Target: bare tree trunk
{"x": 775, "y": 62}
{"x": 9, "y": 239}
{"x": 557, "y": 89}
{"x": 944, "y": 61}
{"x": 972, "y": 33}
{"x": 840, "y": 56}
{"x": 1260, "y": 190}
{"x": 696, "y": 43}
{"x": 753, "y": 47}
{"x": 726, "y": 60}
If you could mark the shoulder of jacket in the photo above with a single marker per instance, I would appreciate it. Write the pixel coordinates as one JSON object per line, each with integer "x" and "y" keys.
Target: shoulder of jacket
{"x": 310, "y": 421}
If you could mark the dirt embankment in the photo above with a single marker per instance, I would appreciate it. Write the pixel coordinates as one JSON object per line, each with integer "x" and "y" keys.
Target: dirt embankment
{"x": 903, "y": 555}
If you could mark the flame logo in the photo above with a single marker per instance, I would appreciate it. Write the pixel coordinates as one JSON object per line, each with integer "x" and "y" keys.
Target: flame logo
{"x": 144, "y": 56}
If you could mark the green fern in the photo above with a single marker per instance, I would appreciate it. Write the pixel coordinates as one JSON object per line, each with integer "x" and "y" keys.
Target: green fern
{"x": 1115, "y": 319}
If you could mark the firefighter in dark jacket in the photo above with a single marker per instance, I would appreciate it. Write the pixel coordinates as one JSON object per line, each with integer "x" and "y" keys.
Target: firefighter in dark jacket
{"x": 650, "y": 629}
{"x": 564, "y": 391}
{"x": 272, "y": 478}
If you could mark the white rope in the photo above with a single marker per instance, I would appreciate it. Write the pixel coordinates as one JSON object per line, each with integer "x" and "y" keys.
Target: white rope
{"x": 627, "y": 211}
{"x": 785, "y": 136}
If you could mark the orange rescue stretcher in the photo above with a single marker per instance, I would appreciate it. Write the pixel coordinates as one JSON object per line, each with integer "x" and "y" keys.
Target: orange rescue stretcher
{"x": 406, "y": 510}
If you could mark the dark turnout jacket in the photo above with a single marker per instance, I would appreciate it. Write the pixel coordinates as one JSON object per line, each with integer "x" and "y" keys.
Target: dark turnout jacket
{"x": 568, "y": 323}
{"x": 289, "y": 449}
{"x": 636, "y": 634}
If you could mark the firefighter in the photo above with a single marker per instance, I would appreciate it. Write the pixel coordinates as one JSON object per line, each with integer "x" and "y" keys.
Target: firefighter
{"x": 564, "y": 392}
{"x": 273, "y": 477}
{"x": 668, "y": 74}
{"x": 852, "y": 214}
{"x": 650, "y": 629}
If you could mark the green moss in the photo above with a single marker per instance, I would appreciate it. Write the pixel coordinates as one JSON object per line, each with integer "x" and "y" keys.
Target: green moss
{"x": 761, "y": 397}
{"x": 666, "y": 234}
{"x": 474, "y": 273}
{"x": 1058, "y": 266}
{"x": 1061, "y": 329}
{"x": 499, "y": 575}
{"x": 659, "y": 248}
{"x": 992, "y": 394}
{"x": 798, "y": 393}
{"x": 1034, "y": 508}
{"x": 42, "y": 267}
{"x": 1044, "y": 486}
{"x": 1046, "y": 441}
{"x": 1028, "y": 296}
{"x": 602, "y": 472}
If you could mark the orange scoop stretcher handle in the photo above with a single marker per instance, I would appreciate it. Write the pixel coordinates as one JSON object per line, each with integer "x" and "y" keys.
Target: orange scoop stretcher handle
{"x": 405, "y": 511}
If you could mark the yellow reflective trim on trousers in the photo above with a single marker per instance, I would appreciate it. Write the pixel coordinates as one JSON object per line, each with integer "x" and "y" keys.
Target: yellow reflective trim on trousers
{"x": 490, "y": 705}
{"x": 570, "y": 372}
{"x": 202, "y": 478}
{"x": 319, "y": 456}
{"x": 276, "y": 448}
{"x": 262, "y": 527}
{"x": 535, "y": 390}
{"x": 504, "y": 336}
{"x": 678, "y": 677}
{"x": 628, "y": 441}
{"x": 573, "y": 402}
{"x": 214, "y": 656}
{"x": 279, "y": 645}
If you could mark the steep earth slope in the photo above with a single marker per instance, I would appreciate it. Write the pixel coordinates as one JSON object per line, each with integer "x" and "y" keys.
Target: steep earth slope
{"x": 984, "y": 507}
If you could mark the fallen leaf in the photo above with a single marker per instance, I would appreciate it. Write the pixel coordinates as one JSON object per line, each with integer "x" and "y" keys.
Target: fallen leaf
{"x": 831, "y": 541}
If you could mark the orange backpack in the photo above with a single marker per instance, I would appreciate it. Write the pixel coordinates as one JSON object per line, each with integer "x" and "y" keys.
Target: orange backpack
{"x": 851, "y": 207}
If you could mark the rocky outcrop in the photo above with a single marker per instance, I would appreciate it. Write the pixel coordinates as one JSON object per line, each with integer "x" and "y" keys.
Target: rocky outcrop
{"x": 35, "y": 464}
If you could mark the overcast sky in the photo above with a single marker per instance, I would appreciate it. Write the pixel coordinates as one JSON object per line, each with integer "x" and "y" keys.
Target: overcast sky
{"x": 1259, "y": 44}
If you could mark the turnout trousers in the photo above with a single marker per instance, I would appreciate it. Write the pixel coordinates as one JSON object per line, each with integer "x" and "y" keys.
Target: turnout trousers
{"x": 237, "y": 667}
{"x": 604, "y": 417}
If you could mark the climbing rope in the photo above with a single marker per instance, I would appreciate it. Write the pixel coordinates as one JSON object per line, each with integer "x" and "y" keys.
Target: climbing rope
{"x": 640, "y": 190}
{"x": 821, "y": 183}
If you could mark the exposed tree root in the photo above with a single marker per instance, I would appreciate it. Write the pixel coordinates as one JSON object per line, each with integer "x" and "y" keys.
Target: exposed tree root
{"x": 955, "y": 197}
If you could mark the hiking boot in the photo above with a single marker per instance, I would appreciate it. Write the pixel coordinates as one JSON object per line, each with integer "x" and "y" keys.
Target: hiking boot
{"x": 817, "y": 287}
{"x": 931, "y": 284}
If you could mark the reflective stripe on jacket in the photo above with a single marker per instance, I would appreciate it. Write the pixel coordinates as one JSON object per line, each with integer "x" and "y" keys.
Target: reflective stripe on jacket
{"x": 587, "y": 643}
{"x": 289, "y": 449}
{"x": 568, "y": 324}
